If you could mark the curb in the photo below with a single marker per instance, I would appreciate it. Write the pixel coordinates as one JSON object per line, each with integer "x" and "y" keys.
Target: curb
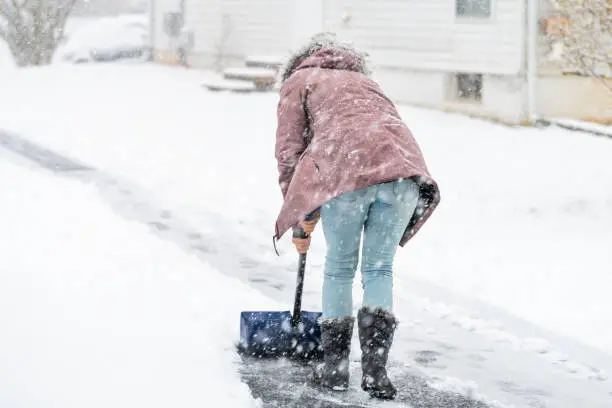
{"x": 575, "y": 127}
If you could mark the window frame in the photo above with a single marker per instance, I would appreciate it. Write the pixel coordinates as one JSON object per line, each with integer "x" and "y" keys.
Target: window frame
{"x": 454, "y": 92}
{"x": 475, "y": 18}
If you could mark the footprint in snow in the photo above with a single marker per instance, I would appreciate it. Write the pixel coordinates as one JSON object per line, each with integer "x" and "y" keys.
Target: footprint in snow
{"x": 427, "y": 357}
{"x": 248, "y": 263}
{"x": 160, "y": 226}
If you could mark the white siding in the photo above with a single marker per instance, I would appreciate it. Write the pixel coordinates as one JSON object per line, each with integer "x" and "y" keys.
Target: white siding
{"x": 307, "y": 20}
{"x": 501, "y": 96}
{"x": 496, "y": 45}
{"x": 423, "y": 88}
{"x": 205, "y": 19}
{"x": 426, "y": 35}
{"x": 254, "y": 26}
{"x": 161, "y": 41}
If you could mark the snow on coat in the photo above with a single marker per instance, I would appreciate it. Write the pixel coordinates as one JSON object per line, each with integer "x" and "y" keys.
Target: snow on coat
{"x": 337, "y": 132}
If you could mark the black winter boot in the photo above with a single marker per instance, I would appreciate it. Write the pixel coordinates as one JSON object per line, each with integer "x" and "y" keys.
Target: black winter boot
{"x": 376, "y": 330}
{"x": 336, "y": 341}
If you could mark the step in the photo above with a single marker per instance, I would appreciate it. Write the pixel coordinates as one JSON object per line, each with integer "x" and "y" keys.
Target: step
{"x": 250, "y": 74}
{"x": 263, "y": 78}
{"x": 221, "y": 84}
{"x": 265, "y": 61}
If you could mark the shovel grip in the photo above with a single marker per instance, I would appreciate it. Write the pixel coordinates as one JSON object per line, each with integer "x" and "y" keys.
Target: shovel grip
{"x": 298, "y": 231}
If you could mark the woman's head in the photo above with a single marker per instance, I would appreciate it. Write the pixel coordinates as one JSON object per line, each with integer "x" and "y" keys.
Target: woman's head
{"x": 339, "y": 55}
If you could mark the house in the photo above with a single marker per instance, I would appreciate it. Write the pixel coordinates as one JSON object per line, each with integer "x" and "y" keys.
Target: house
{"x": 485, "y": 58}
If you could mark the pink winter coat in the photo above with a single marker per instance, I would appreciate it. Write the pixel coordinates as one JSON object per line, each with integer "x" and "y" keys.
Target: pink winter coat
{"x": 338, "y": 132}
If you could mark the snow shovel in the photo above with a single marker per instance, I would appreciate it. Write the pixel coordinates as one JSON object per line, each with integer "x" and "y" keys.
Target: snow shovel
{"x": 296, "y": 336}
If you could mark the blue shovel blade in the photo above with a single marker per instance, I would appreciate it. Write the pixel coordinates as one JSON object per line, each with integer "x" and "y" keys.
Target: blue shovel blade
{"x": 271, "y": 334}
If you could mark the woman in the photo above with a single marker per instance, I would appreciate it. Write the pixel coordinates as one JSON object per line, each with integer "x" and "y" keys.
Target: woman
{"x": 343, "y": 152}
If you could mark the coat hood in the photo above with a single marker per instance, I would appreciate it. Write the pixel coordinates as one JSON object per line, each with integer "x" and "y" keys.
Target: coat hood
{"x": 325, "y": 51}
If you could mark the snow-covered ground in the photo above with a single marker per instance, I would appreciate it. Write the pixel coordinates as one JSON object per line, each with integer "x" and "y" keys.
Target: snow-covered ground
{"x": 517, "y": 254}
{"x": 97, "y": 312}
{"x": 526, "y": 213}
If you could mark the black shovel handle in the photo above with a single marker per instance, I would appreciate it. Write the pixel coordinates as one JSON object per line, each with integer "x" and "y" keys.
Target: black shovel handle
{"x": 299, "y": 287}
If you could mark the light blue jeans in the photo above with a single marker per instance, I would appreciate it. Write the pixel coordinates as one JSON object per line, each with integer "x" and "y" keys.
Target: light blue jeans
{"x": 382, "y": 213}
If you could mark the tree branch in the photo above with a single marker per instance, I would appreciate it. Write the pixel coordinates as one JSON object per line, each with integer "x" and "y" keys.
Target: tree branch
{"x": 33, "y": 28}
{"x": 7, "y": 10}
{"x": 588, "y": 42}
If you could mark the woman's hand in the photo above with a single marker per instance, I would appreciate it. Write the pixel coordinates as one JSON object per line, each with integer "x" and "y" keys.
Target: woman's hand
{"x": 302, "y": 244}
{"x": 309, "y": 226}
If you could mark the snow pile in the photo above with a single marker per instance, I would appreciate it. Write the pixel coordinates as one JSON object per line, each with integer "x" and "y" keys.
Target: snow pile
{"x": 97, "y": 312}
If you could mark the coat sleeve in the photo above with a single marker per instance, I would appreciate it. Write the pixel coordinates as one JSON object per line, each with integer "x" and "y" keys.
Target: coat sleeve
{"x": 290, "y": 133}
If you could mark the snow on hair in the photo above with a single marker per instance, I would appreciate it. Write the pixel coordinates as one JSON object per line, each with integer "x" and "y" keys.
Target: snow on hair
{"x": 318, "y": 42}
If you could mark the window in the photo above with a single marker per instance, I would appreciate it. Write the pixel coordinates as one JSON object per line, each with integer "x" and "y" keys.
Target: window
{"x": 473, "y": 8}
{"x": 466, "y": 87}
